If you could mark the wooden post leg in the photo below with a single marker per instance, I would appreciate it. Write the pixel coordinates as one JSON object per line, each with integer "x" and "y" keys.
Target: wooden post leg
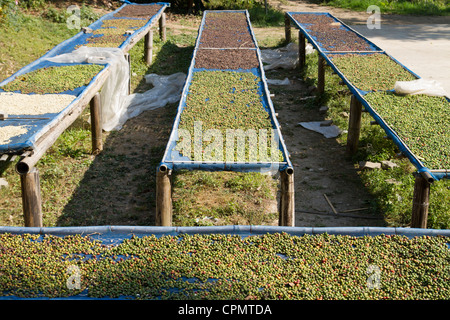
{"x": 287, "y": 200}
{"x": 354, "y": 127}
{"x": 321, "y": 75}
{"x": 287, "y": 28}
{"x": 31, "y": 198}
{"x": 162, "y": 27}
{"x": 163, "y": 197}
{"x": 96, "y": 124}
{"x": 420, "y": 202}
{"x": 148, "y": 50}
{"x": 301, "y": 50}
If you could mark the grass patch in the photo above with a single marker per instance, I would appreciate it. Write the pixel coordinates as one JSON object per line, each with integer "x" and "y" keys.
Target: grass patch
{"x": 223, "y": 198}
{"x": 60, "y": 169}
{"x": 169, "y": 57}
{"x": 394, "y": 191}
{"x": 28, "y": 41}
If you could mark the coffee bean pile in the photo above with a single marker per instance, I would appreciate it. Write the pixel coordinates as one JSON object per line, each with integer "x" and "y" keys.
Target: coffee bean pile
{"x": 138, "y": 11}
{"x": 122, "y": 24}
{"x": 226, "y": 30}
{"x": 221, "y": 266}
{"x": 54, "y": 79}
{"x": 226, "y": 59}
{"x": 330, "y": 34}
{"x": 371, "y": 72}
{"x": 106, "y": 41}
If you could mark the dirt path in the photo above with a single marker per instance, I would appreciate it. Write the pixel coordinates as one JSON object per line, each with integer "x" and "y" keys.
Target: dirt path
{"x": 322, "y": 170}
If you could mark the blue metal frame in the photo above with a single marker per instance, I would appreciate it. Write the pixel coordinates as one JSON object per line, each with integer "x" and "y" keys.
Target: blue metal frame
{"x": 185, "y": 163}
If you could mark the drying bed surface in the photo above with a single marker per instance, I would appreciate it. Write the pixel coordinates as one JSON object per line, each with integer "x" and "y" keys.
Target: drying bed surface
{"x": 371, "y": 72}
{"x": 330, "y": 34}
{"x": 222, "y": 101}
{"x": 226, "y": 30}
{"x": 120, "y": 25}
{"x": 421, "y": 121}
{"x": 113, "y": 32}
{"x": 138, "y": 11}
{"x": 54, "y": 79}
{"x": 226, "y": 59}
{"x": 220, "y": 266}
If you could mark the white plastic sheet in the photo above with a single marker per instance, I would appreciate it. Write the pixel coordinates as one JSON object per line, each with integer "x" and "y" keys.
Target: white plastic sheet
{"x": 283, "y": 58}
{"x": 166, "y": 89}
{"x": 420, "y": 86}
